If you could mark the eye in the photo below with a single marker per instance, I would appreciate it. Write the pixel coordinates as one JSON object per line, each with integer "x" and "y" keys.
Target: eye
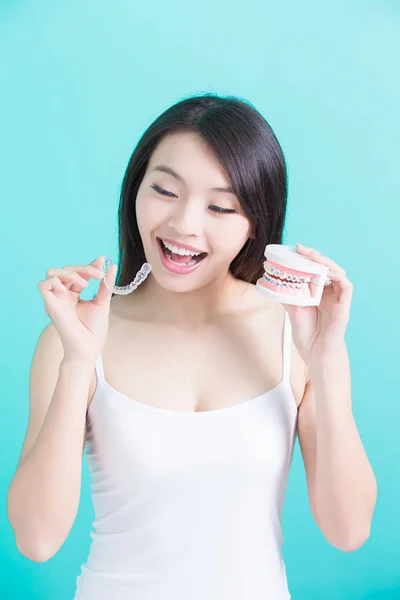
{"x": 214, "y": 208}
{"x": 162, "y": 191}
{"x": 218, "y": 209}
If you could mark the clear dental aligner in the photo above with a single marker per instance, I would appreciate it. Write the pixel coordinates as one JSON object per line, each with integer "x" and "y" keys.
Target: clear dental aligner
{"x": 126, "y": 289}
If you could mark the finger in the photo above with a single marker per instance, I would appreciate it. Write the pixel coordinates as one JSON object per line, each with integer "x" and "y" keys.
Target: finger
{"x": 103, "y": 296}
{"x": 346, "y": 292}
{"x": 336, "y": 275}
{"x": 336, "y": 279}
{"x": 319, "y": 257}
{"x": 98, "y": 261}
{"x": 316, "y": 256}
{"x": 86, "y": 271}
{"x": 52, "y": 284}
{"x": 68, "y": 277}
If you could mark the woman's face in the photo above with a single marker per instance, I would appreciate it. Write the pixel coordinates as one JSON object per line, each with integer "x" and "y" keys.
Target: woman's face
{"x": 191, "y": 213}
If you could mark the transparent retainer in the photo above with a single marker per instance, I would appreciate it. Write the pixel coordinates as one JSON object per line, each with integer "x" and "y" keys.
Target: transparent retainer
{"x": 125, "y": 289}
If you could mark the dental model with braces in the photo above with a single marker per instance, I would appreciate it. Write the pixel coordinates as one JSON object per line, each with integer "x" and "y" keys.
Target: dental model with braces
{"x": 126, "y": 289}
{"x": 292, "y": 278}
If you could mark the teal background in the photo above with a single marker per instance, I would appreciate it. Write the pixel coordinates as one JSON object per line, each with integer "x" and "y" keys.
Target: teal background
{"x": 80, "y": 81}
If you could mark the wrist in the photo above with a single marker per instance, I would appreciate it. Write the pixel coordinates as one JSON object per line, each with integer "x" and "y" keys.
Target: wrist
{"x": 77, "y": 363}
{"x": 329, "y": 361}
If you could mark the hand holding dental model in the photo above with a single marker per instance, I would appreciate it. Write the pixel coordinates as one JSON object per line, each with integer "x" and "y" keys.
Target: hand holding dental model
{"x": 318, "y": 307}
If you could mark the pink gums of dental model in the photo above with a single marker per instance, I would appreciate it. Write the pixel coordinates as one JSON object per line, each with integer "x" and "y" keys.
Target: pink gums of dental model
{"x": 292, "y": 278}
{"x": 126, "y": 289}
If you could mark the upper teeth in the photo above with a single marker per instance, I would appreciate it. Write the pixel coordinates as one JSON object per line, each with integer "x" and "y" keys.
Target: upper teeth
{"x": 180, "y": 251}
{"x": 283, "y": 275}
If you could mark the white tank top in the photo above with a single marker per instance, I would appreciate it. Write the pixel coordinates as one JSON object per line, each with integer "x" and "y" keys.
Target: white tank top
{"x": 188, "y": 504}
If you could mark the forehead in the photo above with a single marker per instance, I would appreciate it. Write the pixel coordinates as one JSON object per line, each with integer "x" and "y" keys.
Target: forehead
{"x": 188, "y": 154}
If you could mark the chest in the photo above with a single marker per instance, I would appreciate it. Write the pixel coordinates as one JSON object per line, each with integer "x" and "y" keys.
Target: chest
{"x": 204, "y": 370}
{"x": 239, "y": 446}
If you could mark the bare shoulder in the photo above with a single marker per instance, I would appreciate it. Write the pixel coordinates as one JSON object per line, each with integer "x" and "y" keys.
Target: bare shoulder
{"x": 268, "y": 312}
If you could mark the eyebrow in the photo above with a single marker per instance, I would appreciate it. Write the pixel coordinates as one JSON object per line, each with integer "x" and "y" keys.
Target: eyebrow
{"x": 170, "y": 171}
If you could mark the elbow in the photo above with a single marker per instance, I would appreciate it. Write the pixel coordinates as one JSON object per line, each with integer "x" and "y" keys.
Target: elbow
{"x": 36, "y": 553}
{"x": 28, "y": 544}
{"x": 358, "y": 533}
{"x": 352, "y": 541}
{"x": 37, "y": 548}
{"x": 25, "y": 541}
{"x": 33, "y": 543}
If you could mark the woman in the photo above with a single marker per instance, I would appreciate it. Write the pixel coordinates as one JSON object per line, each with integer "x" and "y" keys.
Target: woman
{"x": 191, "y": 390}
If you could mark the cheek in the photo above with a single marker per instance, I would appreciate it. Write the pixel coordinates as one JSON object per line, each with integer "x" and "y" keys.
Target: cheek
{"x": 230, "y": 237}
{"x": 149, "y": 214}
{"x": 236, "y": 231}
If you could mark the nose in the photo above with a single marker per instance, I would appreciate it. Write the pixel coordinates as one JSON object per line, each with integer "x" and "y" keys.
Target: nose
{"x": 186, "y": 219}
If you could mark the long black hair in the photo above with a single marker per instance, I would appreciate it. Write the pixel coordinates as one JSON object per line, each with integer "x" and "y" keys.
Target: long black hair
{"x": 247, "y": 148}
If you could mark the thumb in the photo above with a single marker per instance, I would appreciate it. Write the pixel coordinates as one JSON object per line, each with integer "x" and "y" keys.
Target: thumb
{"x": 104, "y": 294}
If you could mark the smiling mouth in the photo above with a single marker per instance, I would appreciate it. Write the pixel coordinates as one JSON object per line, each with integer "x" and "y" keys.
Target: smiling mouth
{"x": 179, "y": 259}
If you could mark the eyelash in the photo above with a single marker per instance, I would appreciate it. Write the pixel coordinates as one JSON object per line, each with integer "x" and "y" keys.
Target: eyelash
{"x": 163, "y": 192}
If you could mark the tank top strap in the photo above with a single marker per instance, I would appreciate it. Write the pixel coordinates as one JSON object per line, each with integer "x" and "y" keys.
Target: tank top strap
{"x": 287, "y": 347}
{"x": 99, "y": 370}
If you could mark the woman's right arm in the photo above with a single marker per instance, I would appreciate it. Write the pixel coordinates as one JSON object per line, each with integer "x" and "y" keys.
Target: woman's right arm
{"x": 44, "y": 494}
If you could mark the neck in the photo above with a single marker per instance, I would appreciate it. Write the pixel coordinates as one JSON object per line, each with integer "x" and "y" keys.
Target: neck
{"x": 191, "y": 309}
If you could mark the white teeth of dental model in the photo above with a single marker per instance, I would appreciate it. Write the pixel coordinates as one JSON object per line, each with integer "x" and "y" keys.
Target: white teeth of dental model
{"x": 284, "y": 275}
{"x": 180, "y": 251}
{"x": 126, "y": 289}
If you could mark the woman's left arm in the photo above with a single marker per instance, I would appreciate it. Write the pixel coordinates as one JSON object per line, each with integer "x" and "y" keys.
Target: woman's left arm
{"x": 341, "y": 484}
